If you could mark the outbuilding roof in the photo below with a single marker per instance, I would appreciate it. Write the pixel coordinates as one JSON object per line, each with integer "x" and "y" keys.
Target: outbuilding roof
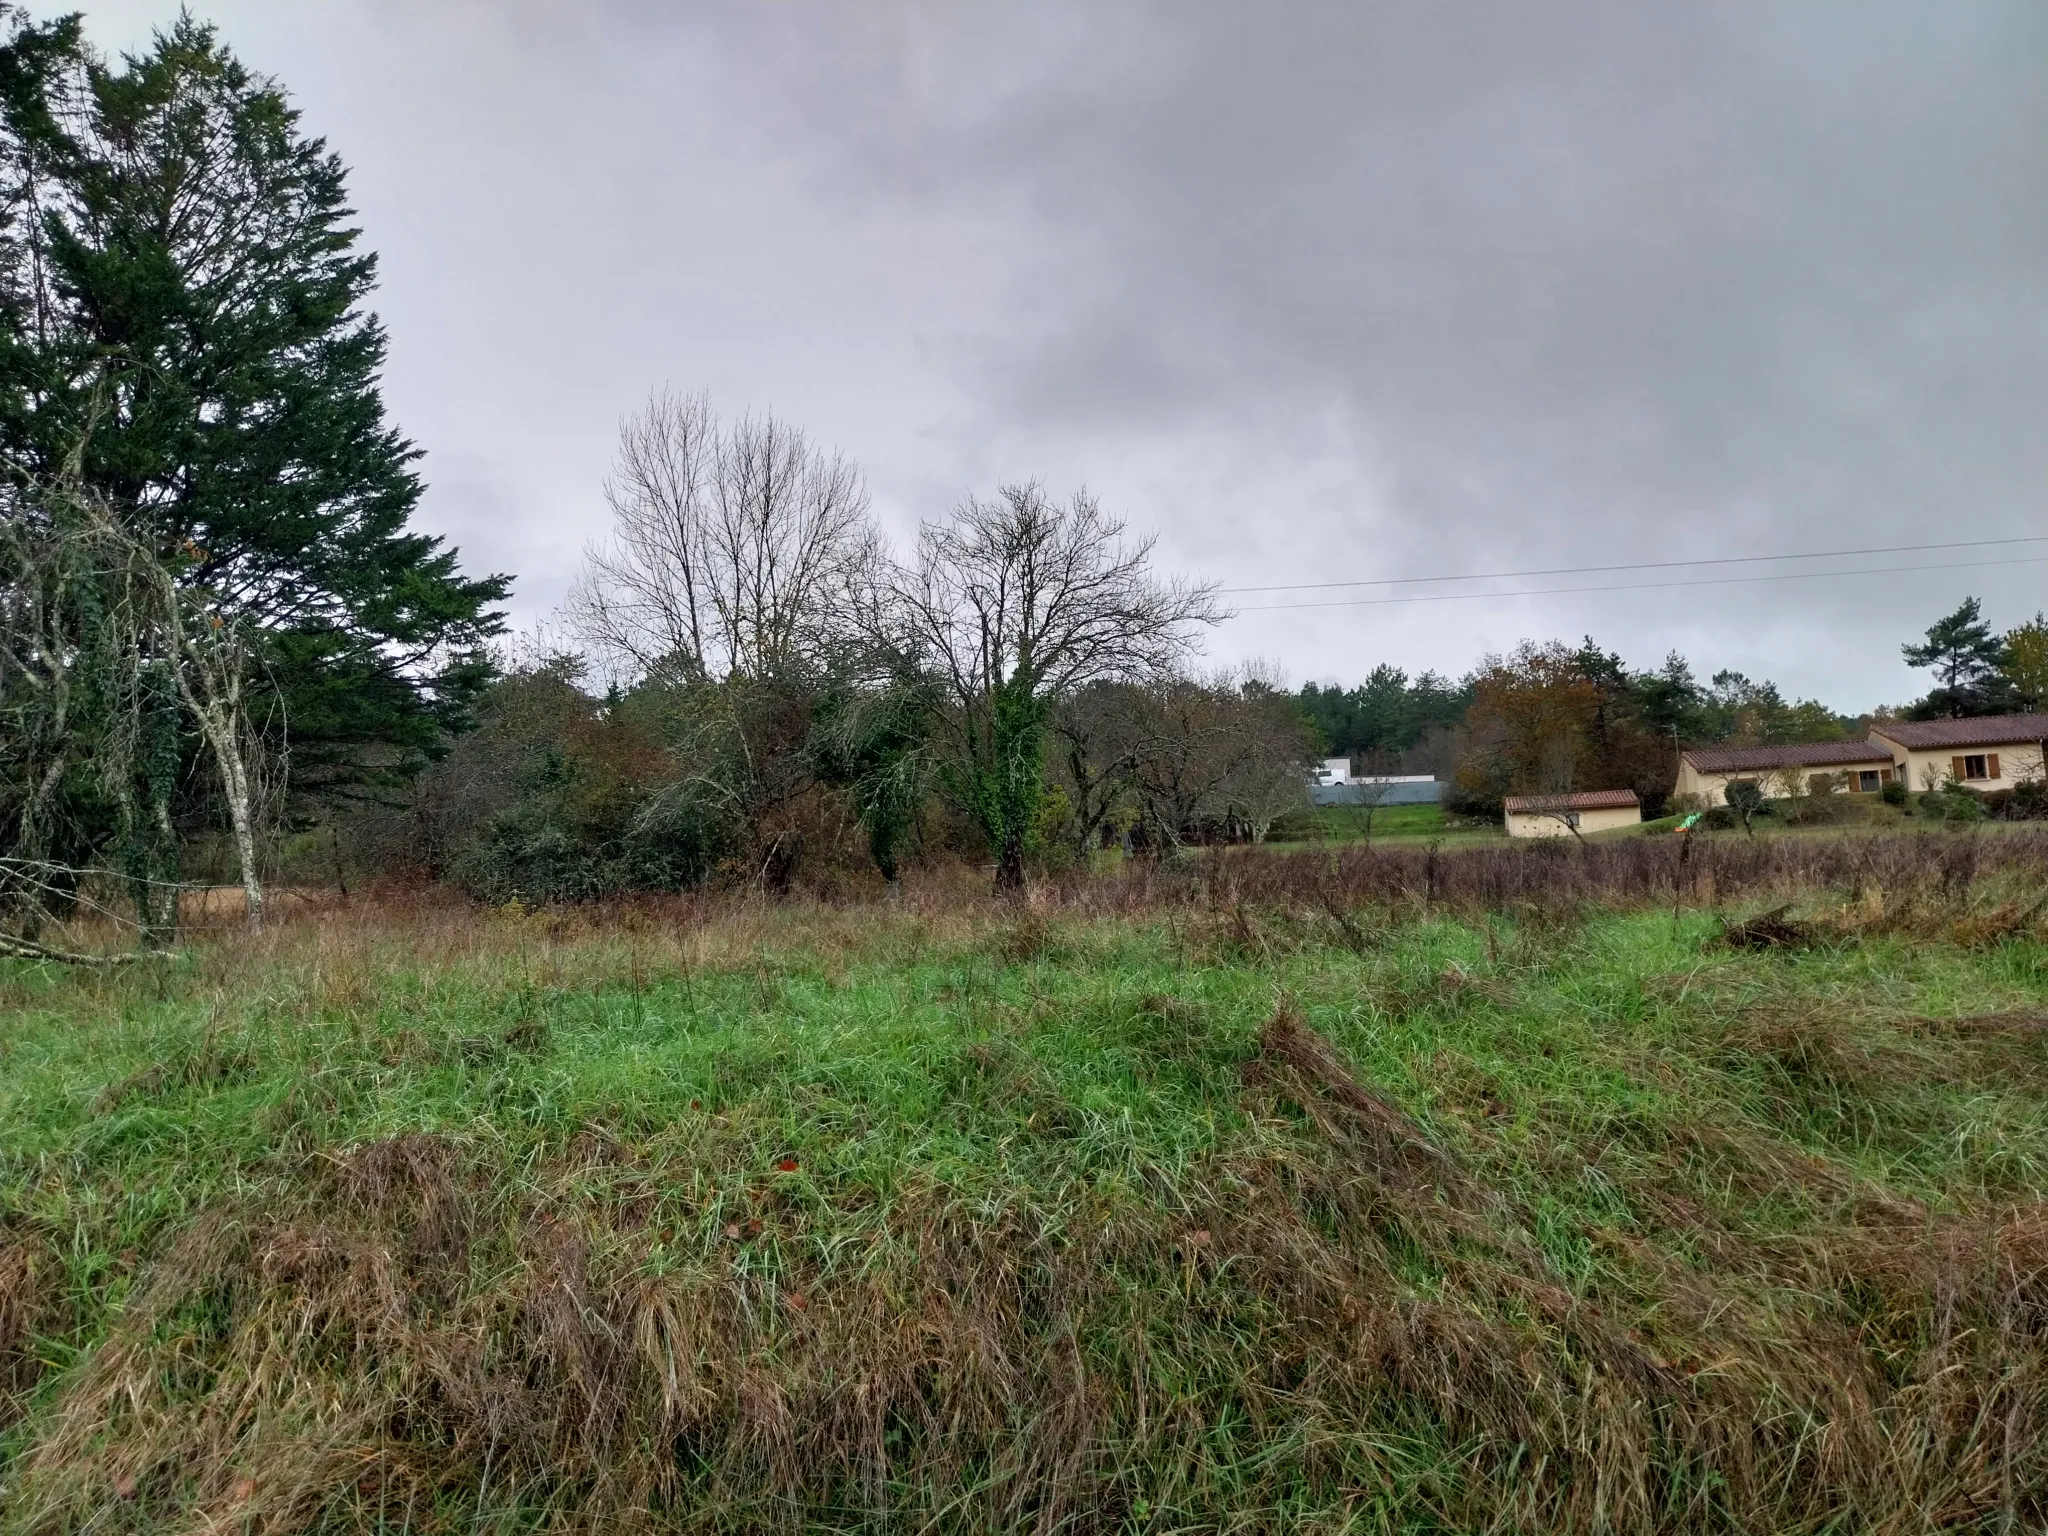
{"x": 1799, "y": 754}
{"x": 1585, "y": 800}
{"x": 1980, "y": 731}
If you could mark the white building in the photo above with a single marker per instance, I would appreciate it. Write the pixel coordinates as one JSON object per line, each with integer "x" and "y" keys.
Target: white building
{"x": 1332, "y": 772}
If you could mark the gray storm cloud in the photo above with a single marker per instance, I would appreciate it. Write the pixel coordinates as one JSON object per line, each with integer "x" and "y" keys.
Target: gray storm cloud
{"x": 1314, "y": 292}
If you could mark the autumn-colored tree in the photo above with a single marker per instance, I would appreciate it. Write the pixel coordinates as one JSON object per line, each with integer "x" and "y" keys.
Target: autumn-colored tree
{"x": 1531, "y": 726}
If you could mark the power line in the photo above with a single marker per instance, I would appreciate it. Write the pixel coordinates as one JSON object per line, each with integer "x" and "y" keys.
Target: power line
{"x": 1642, "y": 586}
{"x": 1647, "y": 565}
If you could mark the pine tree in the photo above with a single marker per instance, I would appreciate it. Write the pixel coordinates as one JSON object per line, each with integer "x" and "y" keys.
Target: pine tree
{"x": 1965, "y": 655}
{"x": 1672, "y": 701}
{"x": 182, "y": 292}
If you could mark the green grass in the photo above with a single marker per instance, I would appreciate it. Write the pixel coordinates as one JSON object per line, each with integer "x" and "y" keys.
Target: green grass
{"x": 953, "y": 1218}
{"x": 1396, "y": 824}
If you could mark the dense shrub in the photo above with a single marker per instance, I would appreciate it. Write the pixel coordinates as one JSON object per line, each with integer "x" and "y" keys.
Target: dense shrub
{"x": 544, "y": 851}
{"x": 1953, "y": 802}
{"x": 559, "y": 797}
{"x": 2025, "y": 801}
{"x": 1818, "y": 801}
{"x": 1893, "y": 793}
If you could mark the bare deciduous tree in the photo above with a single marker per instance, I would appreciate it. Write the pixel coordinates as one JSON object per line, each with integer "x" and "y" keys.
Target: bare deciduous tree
{"x": 739, "y": 560}
{"x": 1018, "y": 601}
{"x": 1371, "y": 794}
{"x": 1271, "y": 777}
{"x": 211, "y": 666}
{"x": 733, "y": 552}
{"x": 101, "y": 647}
{"x": 1104, "y": 732}
{"x": 1223, "y": 759}
{"x": 1194, "y": 752}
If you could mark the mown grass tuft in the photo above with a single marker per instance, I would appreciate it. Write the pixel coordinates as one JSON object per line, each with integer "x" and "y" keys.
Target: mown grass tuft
{"x": 1373, "y": 1192}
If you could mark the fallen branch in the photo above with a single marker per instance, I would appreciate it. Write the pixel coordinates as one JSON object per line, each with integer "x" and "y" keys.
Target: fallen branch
{"x": 28, "y": 949}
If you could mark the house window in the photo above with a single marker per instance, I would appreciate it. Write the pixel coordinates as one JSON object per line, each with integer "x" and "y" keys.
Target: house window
{"x": 1571, "y": 818}
{"x": 1976, "y": 767}
{"x": 1866, "y": 781}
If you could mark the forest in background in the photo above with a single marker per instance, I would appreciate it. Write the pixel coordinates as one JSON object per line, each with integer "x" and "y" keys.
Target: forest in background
{"x": 1550, "y": 717}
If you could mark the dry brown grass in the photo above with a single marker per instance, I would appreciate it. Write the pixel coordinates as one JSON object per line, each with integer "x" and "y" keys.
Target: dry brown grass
{"x": 1345, "y": 1312}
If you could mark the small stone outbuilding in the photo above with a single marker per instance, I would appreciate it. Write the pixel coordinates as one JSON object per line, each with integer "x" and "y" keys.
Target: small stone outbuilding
{"x": 1595, "y": 810}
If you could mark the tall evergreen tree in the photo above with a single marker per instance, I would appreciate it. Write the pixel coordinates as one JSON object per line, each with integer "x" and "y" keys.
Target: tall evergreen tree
{"x": 182, "y": 291}
{"x": 1672, "y": 700}
{"x": 1385, "y": 715}
{"x": 1382, "y": 712}
{"x": 1964, "y": 656}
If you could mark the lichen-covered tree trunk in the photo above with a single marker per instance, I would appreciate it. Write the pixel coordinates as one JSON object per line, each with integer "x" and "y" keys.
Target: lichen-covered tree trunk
{"x": 30, "y": 877}
{"x": 210, "y": 666}
{"x": 221, "y": 736}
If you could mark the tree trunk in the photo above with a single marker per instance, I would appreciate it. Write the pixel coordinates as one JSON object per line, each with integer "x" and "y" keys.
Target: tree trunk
{"x": 209, "y": 678}
{"x": 334, "y": 847}
{"x": 218, "y": 722}
{"x": 1010, "y": 868}
{"x": 234, "y": 776}
{"x": 35, "y": 847}
{"x": 162, "y": 891}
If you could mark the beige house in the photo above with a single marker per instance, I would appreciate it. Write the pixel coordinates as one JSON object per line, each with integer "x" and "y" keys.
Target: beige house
{"x": 1707, "y": 771}
{"x": 1989, "y": 752}
{"x": 1599, "y": 810}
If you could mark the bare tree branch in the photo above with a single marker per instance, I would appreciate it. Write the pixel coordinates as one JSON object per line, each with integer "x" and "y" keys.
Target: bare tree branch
{"x": 734, "y": 551}
{"x": 1017, "y": 602}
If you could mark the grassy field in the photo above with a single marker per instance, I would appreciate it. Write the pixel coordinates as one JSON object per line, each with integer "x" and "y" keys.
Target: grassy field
{"x": 1398, "y": 824}
{"x": 1295, "y": 1193}
{"x": 1416, "y": 825}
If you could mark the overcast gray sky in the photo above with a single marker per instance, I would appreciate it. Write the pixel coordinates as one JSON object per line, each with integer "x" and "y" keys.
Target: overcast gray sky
{"x": 1313, "y": 292}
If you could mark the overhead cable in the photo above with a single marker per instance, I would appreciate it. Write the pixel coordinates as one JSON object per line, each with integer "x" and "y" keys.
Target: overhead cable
{"x": 1650, "y": 565}
{"x": 1637, "y": 586}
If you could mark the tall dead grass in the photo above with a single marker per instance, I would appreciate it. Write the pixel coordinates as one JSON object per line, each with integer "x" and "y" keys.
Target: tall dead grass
{"x": 1916, "y": 867}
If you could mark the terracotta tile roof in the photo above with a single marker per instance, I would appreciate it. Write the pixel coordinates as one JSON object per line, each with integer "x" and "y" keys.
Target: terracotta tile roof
{"x": 1982, "y": 731}
{"x": 1802, "y": 754}
{"x": 1585, "y": 800}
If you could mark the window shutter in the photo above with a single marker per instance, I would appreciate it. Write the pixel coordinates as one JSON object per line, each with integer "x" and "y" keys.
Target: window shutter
{"x": 1957, "y": 767}
{"x": 1884, "y": 775}
{"x": 1992, "y": 763}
